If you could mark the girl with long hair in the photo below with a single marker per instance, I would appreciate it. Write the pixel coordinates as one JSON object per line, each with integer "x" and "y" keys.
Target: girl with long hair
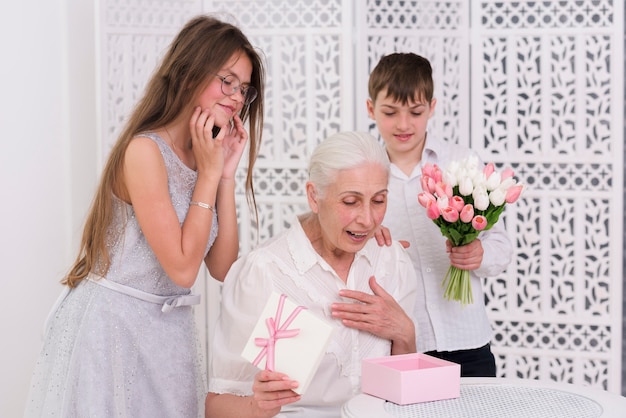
{"x": 122, "y": 339}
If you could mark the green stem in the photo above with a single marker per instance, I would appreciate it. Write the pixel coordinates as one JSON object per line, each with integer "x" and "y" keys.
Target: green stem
{"x": 458, "y": 286}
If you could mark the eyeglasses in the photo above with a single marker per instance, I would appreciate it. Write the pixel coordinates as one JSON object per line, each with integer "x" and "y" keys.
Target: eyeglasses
{"x": 231, "y": 85}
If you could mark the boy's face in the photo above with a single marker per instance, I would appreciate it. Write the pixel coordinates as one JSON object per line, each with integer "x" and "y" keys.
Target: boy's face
{"x": 402, "y": 127}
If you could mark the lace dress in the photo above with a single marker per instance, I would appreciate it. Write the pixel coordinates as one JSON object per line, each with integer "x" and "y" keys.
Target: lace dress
{"x": 110, "y": 353}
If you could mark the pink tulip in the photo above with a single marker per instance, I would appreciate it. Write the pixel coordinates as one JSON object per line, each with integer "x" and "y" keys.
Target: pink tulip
{"x": 439, "y": 190}
{"x": 450, "y": 214}
{"x": 428, "y": 184}
{"x": 427, "y": 169}
{"x": 457, "y": 203}
{"x": 437, "y": 174}
{"x": 513, "y": 193}
{"x": 467, "y": 213}
{"x": 424, "y": 198}
{"x": 432, "y": 210}
{"x": 443, "y": 189}
{"x": 479, "y": 222}
{"x": 507, "y": 173}
{"x": 488, "y": 169}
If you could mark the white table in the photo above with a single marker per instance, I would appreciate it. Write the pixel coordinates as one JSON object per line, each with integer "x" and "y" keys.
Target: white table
{"x": 500, "y": 398}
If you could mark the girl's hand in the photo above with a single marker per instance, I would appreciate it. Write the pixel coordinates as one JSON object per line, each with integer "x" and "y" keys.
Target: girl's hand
{"x": 272, "y": 390}
{"x": 235, "y": 140}
{"x": 207, "y": 150}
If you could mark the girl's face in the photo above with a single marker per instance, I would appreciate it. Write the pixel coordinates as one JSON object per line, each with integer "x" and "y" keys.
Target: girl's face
{"x": 223, "y": 106}
{"x": 352, "y": 208}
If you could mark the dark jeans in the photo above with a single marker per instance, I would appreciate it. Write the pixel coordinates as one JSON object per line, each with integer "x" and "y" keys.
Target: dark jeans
{"x": 477, "y": 362}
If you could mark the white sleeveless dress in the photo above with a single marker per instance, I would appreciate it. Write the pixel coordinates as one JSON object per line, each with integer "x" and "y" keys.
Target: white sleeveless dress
{"x": 126, "y": 346}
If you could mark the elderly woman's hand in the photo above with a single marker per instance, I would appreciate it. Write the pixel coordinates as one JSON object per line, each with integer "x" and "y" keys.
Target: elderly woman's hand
{"x": 272, "y": 390}
{"x": 378, "y": 314}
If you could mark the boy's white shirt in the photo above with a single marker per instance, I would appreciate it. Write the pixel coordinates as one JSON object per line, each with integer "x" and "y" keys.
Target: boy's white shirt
{"x": 443, "y": 325}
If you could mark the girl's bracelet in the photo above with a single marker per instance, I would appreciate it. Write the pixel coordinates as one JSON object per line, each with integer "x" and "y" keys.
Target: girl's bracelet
{"x": 203, "y": 205}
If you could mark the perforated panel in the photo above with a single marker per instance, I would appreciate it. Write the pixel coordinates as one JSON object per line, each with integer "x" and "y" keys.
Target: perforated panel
{"x": 545, "y": 78}
{"x": 533, "y": 85}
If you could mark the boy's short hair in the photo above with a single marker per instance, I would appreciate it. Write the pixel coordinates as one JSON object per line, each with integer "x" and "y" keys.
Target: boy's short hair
{"x": 406, "y": 77}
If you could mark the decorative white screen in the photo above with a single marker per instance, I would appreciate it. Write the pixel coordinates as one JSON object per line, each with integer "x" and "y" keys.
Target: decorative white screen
{"x": 532, "y": 85}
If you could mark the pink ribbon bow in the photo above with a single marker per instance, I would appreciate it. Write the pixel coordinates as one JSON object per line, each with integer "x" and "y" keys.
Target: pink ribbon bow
{"x": 275, "y": 331}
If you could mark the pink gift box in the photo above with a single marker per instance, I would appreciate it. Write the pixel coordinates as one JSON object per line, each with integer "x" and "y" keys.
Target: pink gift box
{"x": 410, "y": 378}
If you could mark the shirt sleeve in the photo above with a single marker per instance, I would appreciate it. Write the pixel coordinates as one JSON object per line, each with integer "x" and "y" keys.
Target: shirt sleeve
{"x": 406, "y": 294}
{"x": 498, "y": 251}
{"x": 244, "y": 294}
{"x": 497, "y": 247}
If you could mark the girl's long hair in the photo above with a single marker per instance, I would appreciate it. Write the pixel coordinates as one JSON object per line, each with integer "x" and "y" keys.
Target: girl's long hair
{"x": 202, "y": 47}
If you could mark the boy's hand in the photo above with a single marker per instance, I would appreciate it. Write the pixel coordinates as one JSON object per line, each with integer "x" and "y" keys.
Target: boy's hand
{"x": 466, "y": 257}
{"x": 383, "y": 237}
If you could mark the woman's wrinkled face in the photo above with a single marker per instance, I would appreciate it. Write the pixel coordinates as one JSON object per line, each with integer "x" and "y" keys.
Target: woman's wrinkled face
{"x": 352, "y": 208}
{"x": 212, "y": 97}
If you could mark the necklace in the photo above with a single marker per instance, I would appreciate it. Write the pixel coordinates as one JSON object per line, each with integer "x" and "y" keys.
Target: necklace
{"x": 169, "y": 137}
{"x": 180, "y": 153}
{"x": 171, "y": 140}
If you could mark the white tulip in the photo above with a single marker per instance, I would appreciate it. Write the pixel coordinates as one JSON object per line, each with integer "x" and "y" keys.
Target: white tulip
{"x": 481, "y": 198}
{"x": 493, "y": 181}
{"x": 466, "y": 186}
{"x": 497, "y": 196}
{"x": 442, "y": 202}
{"x": 507, "y": 183}
{"x": 450, "y": 177}
{"x": 471, "y": 163}
{"x": 454, "y": 166}
{"x": 479, "y": 179}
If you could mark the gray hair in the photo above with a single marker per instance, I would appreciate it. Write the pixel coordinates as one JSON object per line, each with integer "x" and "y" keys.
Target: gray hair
{"x": 344, "y": 151}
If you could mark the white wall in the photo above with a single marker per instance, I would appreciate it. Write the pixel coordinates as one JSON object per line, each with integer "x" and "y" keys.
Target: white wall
{"x": 47, "y": 170}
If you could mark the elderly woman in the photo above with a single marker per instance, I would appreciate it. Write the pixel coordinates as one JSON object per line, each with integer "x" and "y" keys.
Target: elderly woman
{"x": 326, "y": 262}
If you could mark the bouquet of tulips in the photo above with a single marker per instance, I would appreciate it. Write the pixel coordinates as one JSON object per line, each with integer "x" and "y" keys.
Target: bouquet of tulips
{"x": 464, "y": 200}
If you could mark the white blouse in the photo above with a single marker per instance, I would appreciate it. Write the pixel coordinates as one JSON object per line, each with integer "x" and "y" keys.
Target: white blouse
{"x": 288, "y": 264}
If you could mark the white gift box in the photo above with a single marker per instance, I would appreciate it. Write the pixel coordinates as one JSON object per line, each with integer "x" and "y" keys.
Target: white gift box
{"x": 299, "y": 343}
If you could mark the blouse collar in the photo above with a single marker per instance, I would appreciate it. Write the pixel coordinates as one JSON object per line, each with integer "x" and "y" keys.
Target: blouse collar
{"x": 304, "y": 255}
